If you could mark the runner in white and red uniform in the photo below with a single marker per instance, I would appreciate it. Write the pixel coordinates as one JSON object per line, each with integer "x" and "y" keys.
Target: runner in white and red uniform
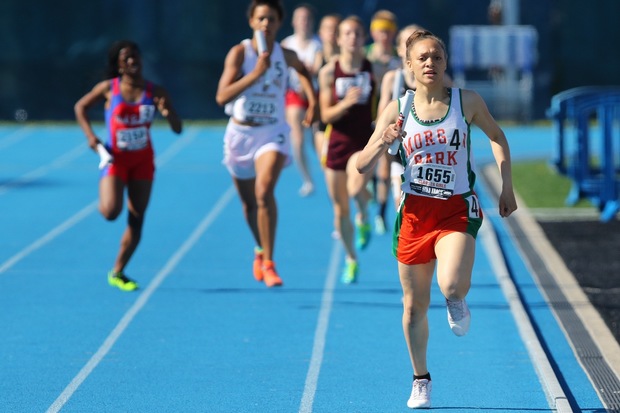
{"x": 439, "y": 166}
{"x": 440, "y": 215}
{"x": 307, "y": 45}
{"x": 130, "y": 103}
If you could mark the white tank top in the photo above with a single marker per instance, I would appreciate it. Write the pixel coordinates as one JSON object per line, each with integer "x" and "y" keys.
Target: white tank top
{"x": 263, "y": 102}
{"x": 437, "y": 155}
{"x": 307, "y": 54}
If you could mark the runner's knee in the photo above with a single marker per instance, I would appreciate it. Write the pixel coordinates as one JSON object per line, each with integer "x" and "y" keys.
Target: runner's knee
{"x": 135, "y": 222}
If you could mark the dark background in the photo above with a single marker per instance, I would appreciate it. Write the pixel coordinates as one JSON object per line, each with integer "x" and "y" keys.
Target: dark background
{"x": 53, "y": 52}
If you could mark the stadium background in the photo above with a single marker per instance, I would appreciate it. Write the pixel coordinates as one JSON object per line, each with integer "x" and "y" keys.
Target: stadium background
{"x": 53, "y": 52}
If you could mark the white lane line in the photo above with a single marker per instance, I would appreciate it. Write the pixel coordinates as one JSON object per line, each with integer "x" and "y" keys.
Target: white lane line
{"x": 44, "y": 170}
{"x": 87, "y": 210}
{"x": 80, "y": 215}
{"x": 553, "y": 389}
{"x": 140, "y": 302}
{"x": 15, "y": 136}
{"x": 312, "y": 377}
{"x": 79, "y": 150}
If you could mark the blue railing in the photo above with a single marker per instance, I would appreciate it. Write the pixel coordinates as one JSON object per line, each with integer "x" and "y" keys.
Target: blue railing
{"x": 586, "y": 132}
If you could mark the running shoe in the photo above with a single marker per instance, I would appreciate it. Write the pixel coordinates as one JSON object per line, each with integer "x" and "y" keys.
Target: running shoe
{"x": 258, "y": 264}
{"x": 379, "y": 225}
{"x": 364, "y": 231}
{"x": 458, "y": 316}
{"x": 270, "y": 276}
{"x": 120, "y": 280}
{"x": 420, "y": 394}
{"x": 349, "y": 274}
{"x": 306, "y": 189}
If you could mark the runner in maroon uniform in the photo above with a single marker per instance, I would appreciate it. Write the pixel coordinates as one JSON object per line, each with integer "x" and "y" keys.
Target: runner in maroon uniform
{"x": 346, "y": 94}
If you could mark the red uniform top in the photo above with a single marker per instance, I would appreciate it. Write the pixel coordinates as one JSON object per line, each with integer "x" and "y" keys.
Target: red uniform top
{"x": 129, "y": 136}
{"x": 129, "y": 123}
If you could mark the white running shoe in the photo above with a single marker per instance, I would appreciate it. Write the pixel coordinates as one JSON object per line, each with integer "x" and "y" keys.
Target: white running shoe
{"x": 420, "y": 394}
{"x": 306, "y": 189}
{"x": 380, "y": 225}
{"x": 458, "y": 316}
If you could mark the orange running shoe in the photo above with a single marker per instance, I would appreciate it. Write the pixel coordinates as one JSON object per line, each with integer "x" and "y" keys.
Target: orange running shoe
{"x": 258, "y": 264}
{"x": 272, "y": 279}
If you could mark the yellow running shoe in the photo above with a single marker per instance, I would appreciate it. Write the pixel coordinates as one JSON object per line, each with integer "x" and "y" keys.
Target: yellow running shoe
{"x": 349, "y": 274}
{"x": 364, "y": 231}
{"x": 120, "y": 280}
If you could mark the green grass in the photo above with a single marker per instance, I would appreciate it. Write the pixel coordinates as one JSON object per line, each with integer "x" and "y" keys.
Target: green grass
{"x": 540, "y": 186}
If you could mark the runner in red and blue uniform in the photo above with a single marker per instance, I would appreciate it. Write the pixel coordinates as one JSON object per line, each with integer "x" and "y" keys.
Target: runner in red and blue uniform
{"x": 130, "y": 106}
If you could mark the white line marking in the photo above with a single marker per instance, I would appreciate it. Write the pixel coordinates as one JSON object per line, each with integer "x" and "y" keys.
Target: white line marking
{"x": 80, "y": 215}
{"x": 140, "y": 302}
{"x": 15, "y": 136}
{"x": 44, "y": 170}
{"x": 553, "y": 390}
{"x": 312, "y": 378}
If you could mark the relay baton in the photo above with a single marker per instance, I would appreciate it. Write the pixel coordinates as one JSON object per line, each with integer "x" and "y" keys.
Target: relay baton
{"x": 402, "y": 119}
{"x": 261, "y": 42}
{"x": 104, "y": 155}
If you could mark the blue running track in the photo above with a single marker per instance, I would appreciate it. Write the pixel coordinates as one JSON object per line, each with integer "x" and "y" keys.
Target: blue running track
{"x": 202, "y": 336}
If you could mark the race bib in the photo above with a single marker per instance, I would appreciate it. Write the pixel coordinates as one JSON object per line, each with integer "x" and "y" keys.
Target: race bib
{"x": 432, "y": 180}
{"x": 260, "y": 110}
{"x": 361, "y": 80}
{"x": 132, "y": 139}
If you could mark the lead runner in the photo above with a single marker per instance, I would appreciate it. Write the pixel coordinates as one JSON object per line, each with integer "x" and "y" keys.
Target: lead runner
{"x": 440, "y": 215}
{"x": 256, "y": 142}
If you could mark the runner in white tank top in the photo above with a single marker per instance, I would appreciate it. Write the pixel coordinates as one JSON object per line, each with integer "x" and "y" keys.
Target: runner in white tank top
{"x": 307, "y": 45}
{"x": 256, "y": 144}
{"x": 439, "y": 215}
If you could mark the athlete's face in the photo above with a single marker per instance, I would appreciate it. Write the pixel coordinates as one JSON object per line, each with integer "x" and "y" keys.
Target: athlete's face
{"x": 129, "y": 61}
{"x": 328, "y": 30}
{"x": 427, "y": 61}
{"x": 266, "y": 19}
{"x": 302, "y": 21}
{"x": 350, "y": 36}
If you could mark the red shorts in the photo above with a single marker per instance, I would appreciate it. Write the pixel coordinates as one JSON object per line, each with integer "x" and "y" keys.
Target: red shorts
{"x": 293, "y": 98}
{"x": 132, "y": 165}
{"x": 423, "y": 221}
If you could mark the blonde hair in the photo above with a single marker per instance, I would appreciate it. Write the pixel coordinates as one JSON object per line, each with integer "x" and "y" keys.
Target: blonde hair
{"x": 384, "y": 20}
